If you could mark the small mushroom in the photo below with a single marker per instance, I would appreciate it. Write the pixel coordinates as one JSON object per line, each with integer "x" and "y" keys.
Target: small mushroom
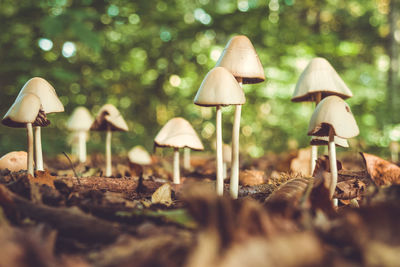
{"x": 139, "y": 155}
{"x": 227, "y": 158}
{"x": 14, "y": 161}
{"x": 178, "y": 133}
{"x": 394, "y": 148}
{"x": 186, "y": 158}
{"x": 332, "y": 117}
{"x": 219, "y": 88}
{"x": 50, "y": 104}
{"x": 79, "y": 123}
{"x": 109, "y": 120}
{"x": 241, "y": 59}
{"x": 318, "y": 80}
{"x": 26, "y": 112}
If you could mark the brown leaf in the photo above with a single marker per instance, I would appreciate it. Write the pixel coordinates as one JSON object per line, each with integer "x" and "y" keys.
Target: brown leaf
{"x": 43, "y": 177}
{"x": 382, "y": 172}
{"x": 289, "y": 192}
{"x": 349, "y": 189}
{"x": 251, "y": 177}
{"x": 301, "y": 164}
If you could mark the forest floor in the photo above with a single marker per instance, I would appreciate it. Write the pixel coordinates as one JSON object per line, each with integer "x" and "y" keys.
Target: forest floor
{"x": 76, "y": 217}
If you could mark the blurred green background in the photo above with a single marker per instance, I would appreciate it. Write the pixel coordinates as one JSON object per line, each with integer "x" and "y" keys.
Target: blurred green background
{"x": 148, "y": 58}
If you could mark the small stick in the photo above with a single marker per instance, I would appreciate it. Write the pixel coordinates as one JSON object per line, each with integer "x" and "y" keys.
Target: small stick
{"x": 72, "y": 167}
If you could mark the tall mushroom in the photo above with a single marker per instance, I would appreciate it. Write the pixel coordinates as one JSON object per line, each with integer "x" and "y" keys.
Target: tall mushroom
{"x": 79, "y": 123}
{"x": 26, "y": 112}
{"x": 109, "y": 120}
{"x": 227, "y": 158}
{"x": 50, "y": 104}
{"x": 178, "y": 133}
{"x": 318, "y": 80}
{"x": 219, "y": 88}
{"x": 241, "y": 59}
{"x": 332, "y": 117}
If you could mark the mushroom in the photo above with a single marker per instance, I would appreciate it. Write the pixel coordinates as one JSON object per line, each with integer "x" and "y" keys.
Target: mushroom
{"x": 332, "y": 117}
{"x": 110, "y": 120}
{"x": 227, "y": 158}
{"x": 50, "y": 104}
{"x": 178, "y": 133}
{"x": 394, "y": 148}
{"x": 318, "y": 80}
{"x": 186, "y": 158}
{"x": 79, "y": 123}
{"x": 219, "y": 88}
{"x": 26, "y": 112}
{"x": 139, "y": 155}
{"x": 14, "y": 161}
{"x": 241, "y": 59}
{"x": 324, "y": 140}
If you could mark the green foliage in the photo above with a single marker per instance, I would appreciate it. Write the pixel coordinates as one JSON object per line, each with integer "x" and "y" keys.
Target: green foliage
{"x": 149, "y": 58}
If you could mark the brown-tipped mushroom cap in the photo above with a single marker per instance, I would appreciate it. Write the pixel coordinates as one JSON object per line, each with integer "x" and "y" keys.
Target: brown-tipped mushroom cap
{"x": 219, "y": 88}
{"x": 319, "y": 77}
{"x": 333, "y": 111}
{"x": 24, "y": 110}
{"x": 46, "y": 93}
{"x": 178, "y": 133}
{"x": 227, "y": 153}
{"x": 139, "y": 155}
{"x": 80, "y": 120}
{"x": 241, "y": 59}
{"x": 109, "y": 115}
{"x": 324, "y": 140}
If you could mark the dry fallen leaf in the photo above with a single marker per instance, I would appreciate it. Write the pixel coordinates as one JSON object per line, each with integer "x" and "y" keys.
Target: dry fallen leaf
{"x": 382, "y": 172}
{"x": 251, "y": 177}
{"x": 162, "y": 195}
{"x": 349, "y": 189}
{"x": 301, "y": 164}
{"x": 43, "y": 177}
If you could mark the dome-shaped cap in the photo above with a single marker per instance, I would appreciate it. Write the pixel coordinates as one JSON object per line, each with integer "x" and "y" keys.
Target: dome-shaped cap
{"x": 80, "y": 120}
{"x": 219, "y": 88}
{"x": 324, "y": 140}
{"x": 241, "y": 59}
{"x": 319, "y": 77}
{"x": 24, "y": 110}
{"x": 178, "y": 133}
{"x": 333, "y": 111}
{"x": 227, "y": 153}
{"x": 14, "y": 161}
{"x": 109, "y": 115}
{"x": 139, "y": 155}
{"x": 46, "y": 93}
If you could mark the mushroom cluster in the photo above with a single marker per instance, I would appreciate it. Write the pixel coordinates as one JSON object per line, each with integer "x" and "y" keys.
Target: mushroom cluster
{"x": 36, "y": 99}
{"x": 239, "y": 61}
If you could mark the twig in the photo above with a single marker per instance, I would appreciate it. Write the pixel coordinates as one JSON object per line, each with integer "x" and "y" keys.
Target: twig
{"x": 72, "y": 167}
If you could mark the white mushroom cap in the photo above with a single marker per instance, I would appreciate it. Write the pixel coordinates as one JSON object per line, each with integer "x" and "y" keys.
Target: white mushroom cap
{"x": 226, "y": 153}
{"x": 45, "y": 92}
{"x": 80, "y": 120}
{"x": 14, "y": 161}
{"x": 24, "y": 110}
{"x": 319, "y": 77}
{"x": 139, "y": 155}
{"x": 324, "y": 140}
{"x": 219, "y": 88}
{"x": 109, "y": 115}
{"x": 178, "y": 133}
{"x": 333, "y": 111}
{"x": 241, "y": 59}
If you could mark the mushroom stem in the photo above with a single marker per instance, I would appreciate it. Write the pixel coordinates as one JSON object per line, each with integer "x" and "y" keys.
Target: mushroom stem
{"x": 108, "y": 152}
{"x": 332, "y": 160}
{"x": 82, "y": 146}
{"x": 220, "y": 178}
{"x": 234, "y": 182}
{"x": 314, "y": 156}
{"x": 38, "y": 149}
{"x": 29, "y": 131}
{"x": 225, "y": 170}
{"x": 314, "y": 149}
{"x": 176, "y": 166}
{"x": 186, "y": 158}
